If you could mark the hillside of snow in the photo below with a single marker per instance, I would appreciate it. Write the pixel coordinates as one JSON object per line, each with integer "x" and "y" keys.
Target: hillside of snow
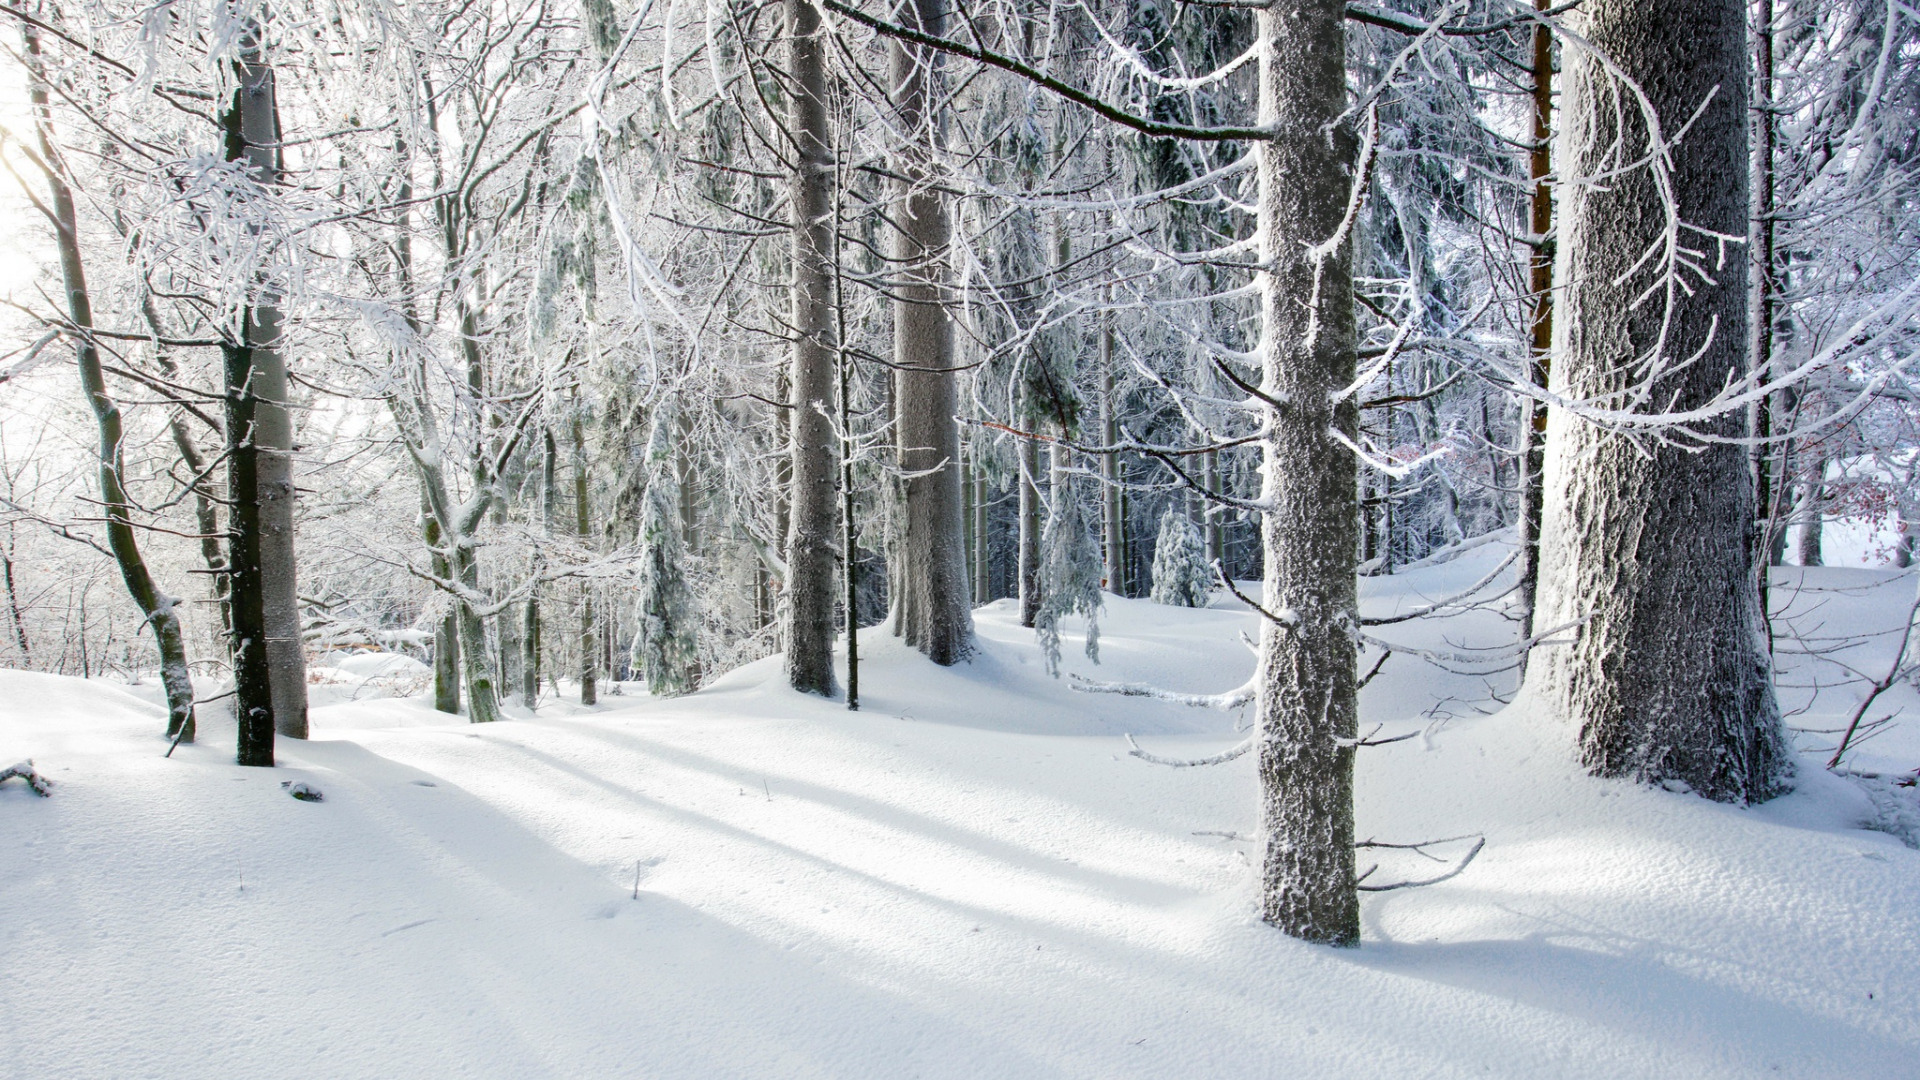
{"x": 969, "y": 878}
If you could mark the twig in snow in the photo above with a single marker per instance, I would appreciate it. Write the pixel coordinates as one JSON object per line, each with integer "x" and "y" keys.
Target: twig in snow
{"x": 24, "y": 770}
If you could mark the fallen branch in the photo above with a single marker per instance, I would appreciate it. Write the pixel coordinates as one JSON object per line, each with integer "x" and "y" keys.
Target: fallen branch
{"x": 24, "y": 770}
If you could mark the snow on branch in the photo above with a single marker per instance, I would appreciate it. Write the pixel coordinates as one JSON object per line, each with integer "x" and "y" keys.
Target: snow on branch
{"x": 25, "y": 771}
{"x": 1187, "y": 763}
{"x": 1419, "y": 849}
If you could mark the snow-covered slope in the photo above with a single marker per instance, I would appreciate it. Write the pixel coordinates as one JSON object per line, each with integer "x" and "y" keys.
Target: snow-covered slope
{"x": 968, "y": 878}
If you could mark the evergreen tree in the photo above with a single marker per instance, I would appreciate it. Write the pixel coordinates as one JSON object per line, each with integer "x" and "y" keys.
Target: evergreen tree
{"x": 1069, "y": 570}
{"x": 1182, "y": 577}
{"x": 664, "y": 649}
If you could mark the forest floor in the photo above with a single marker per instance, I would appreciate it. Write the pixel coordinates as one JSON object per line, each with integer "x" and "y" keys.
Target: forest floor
{"x": 970, "y": 877}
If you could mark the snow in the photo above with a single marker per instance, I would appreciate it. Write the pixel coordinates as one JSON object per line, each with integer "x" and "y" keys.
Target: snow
{"x": 969, "y": 877}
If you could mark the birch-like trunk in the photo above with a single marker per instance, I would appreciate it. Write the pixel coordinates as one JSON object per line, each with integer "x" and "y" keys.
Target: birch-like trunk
{"x": 811, "y": 540}
{"x": 1668, "y": 677}
{"x": 158, "y": 607}
{"x": 272, "y": 434}
{"x": 1306, "y": 701}
{"x": 934, "y": 614}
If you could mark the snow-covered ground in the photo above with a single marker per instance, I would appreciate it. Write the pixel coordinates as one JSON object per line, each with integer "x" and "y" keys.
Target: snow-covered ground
{"x": 969, "y": 877}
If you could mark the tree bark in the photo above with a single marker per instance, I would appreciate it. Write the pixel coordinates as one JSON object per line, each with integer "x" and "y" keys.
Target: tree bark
{"x": 811, "y": 543}
{"x": 1540, "y": 285}
{"x": 1028, "y": 482}
{"x": 1668, "y": 677}
{"x": 1306, "y": 703}
{"x": 156, "y": 606}
{"x": 258, "y": 121}
{"x": 583, "y": 529}
{"x": 935, "y": 616}
{"x": 446, "y": 635}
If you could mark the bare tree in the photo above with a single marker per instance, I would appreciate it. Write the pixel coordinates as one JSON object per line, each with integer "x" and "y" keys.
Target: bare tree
{"x": 158, "y": 607}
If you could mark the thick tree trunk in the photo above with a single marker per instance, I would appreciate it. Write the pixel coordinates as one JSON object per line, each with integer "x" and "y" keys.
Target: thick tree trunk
{"x": 158, "y": 607}
{"x": 1668, "y": 677}
{"x": 934, "y": 614}
{"x": 811, "y": 543}
{"x": 272, "y": 434}
{"x": 1307, "y": 711}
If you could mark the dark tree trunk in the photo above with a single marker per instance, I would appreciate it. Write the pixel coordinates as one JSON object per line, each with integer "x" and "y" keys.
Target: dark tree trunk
{"x": 253, "y": 134}
{"x": 1668, "y": 677}
{"x": 1533, "y": 429}
{"x": 1028, "y": 562}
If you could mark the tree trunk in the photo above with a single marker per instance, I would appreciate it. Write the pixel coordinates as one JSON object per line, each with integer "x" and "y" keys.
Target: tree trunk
{"x": 934, "y": 614}
{"x": 982, "y": 546}
{"x": 1306, "y": 704}
{"x": 1112, "y": 525}
{"x": 158, "y": 607}
{"x": 583, "y": 529}
{"x": 811, "y": 543}
{"x": 1533, "y": 429}
{"x": 252, "y": 678}
{"x": 446, "y": 636}
{"x": 1668, "y": 677}
{"x": 530, "y": 659}
{"x": 257, "y": 116}
{"x": 1812, "y": 519}
{"x": 1029, "y": 556}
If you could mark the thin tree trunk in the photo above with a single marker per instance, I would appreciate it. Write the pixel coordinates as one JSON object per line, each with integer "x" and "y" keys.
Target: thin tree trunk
{"x": 530, "y": 660}
{"x": 982, "y": 546}
{"x": 1307, "y": 713}
{"x": 158, "y": 608}
{"x": 1540, "y": 285}
{"x": 583, "y": 529}
{"x": 1646, "y": 545}
{"x": 446, "y": 636}
{"x": 1766, "y": 299}
{"x": 13, "y": 604}
{"x": 1113, "y": 526}
{"x": 811, "y": 542}
{"x": 1029, "y": 556}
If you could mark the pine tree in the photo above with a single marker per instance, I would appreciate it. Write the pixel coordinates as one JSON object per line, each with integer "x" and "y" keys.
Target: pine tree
{"x": 1182, "y": 576}
{"x": 1070, "y": 567}
{"x": 665, "y": 651}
